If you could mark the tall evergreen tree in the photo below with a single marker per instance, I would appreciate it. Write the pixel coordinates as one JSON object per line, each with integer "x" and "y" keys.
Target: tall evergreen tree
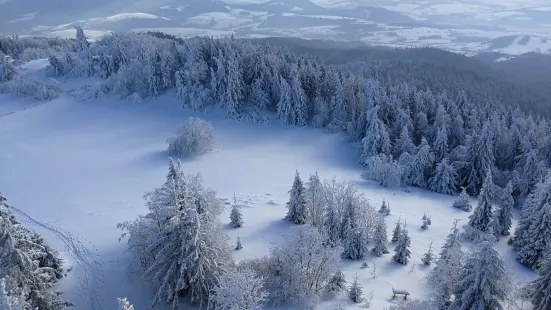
{"x": 541, "y": 295}
{"x": 403, "y": 143}
{"x": 402, "y": 252}
{"x": 483, "y": 281}
{"x": 376, "y": 140}
{"x": 532, "y": 235}
{"x": 355, "y": 236}
{"x": 505, "y": 214}
{"x": 445, "y": 274}
{"x": 482, "y": 216}
{"x": 314, "y": 197}
{"x": 440, "y": 145}
{"x": 236, "y": 218}
{"x": 396, "y": 232}
{"x": 297, "y": 208}
{"x": 380, "y": 237}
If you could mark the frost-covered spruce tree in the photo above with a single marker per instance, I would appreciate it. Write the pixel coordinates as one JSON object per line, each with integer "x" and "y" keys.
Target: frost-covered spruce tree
{"x": 481, "y": 218}
{"x": 444, "y": 180}
{"x": 380, "y": 237}
{"x": 239, "y": 245}
{"x": 188, "y": 244}
{"x": 337, "y": 282}
{"x": 124, "y": 304}
{"x": 505, "y": 215}
{"x": 315, "y": 199}
{"x": 483, "y": 282}
{"x": 236, "y": 218}
{"x": 463, "y": 202}
{"x": 376, "y": 140}
{"x": 297, "y": 209}
{"x": 383, "y": 169}
{"x": 332, "y": 223}
{"x": 420, "y": 166}
{"x": 403, "y": 143}
{"x": 356, "y": 291}
{"x": 541, "y": 294}
{"x": 532, "y": 234}
{"x": 355, "y": 235}
{"x": 428, "y": 257}
{"x": 440, "y": 145}
{"x": 239, "y": 289}
{"x": 396, "y": 232}
{"x": 445, "y": 274}
{"x": 402, "y": 252}
{"x": 7, "y": 69}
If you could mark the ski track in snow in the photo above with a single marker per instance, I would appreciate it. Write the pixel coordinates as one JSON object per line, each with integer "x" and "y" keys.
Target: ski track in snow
{"x": 91, "y": 281}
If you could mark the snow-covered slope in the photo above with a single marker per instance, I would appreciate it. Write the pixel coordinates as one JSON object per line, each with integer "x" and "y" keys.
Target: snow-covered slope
{"x": 73, "y": 170}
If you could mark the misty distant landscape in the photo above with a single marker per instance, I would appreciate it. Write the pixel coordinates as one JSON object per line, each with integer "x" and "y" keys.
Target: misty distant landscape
{"x": 508, "y": 27}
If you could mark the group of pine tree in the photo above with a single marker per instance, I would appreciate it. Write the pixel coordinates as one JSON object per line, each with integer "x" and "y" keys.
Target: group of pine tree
{"x": 409, "y": 137}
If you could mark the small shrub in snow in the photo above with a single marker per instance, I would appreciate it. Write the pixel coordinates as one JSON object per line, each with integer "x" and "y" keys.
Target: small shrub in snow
{"x": 356, "y": 291}
{"x": 428, "y": 257}
{"x": 124, "y": 304}
{"x": 463, "y": 201}
{"x": 337, "y": 282}
{"x": 236, "y": 218}
{"x": 195, "y": 137}
{"x": 239, "y": 245}
{"x": 385, "y": 209}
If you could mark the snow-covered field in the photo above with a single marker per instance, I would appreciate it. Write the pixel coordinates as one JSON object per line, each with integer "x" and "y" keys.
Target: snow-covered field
{"x": 72, "y": 170}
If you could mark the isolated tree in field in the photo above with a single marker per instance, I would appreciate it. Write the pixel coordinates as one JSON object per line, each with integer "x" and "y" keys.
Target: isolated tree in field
{"x": 356, "y": 291}
{"x": 444, "y": 180}
{"x": 239, "y": 289}
{"x": 483, "y": 282}
{"x": 195, "y": 137}
{"x": 482, "y": 216}
{"x": 402, "y": 252}
{"x": 463, "y": 202}
{"x": 428, "y": 257}
{"x": 541, "y": 295}
{"x": 297, "y": 209}
{"x": 505, "y": 214}
{"x": 380, "y": 237}
{"x": 445, "y": 274}
{"x": 239, "y": 245}
{"x": 396, "y": 232}
{"x": 124, "y": 304}
{"x": 236, "y": 218}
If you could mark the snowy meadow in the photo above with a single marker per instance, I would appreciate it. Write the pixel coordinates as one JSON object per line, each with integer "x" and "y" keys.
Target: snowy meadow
{"x": 282, "y": 183}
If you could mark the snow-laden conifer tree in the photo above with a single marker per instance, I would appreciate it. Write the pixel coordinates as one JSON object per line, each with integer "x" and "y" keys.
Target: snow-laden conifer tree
{"x": 420, "y": 166}
{"x": 463, "y": 202}
{"x": 376, "y": 140}
{"x": 239, "y": 289}
{"x": 338, "y": 110}
{"x": 383, "y": 169}
{"x": 541, "y": 294}
{"x": 440, "y": 145}
{"x": 194, "y": 137}
{"x": 483, "y": 282}
{"x": 396, "y": 232}
{"x": 356, "y": 291}
{"x": 239, "y": 245}
{"x": 444, "y": 180}
{"x": 236, "y": 218}
{"x": 315, "y": 200}
{"x": 380, "y": 237}
{"x": 482, "y": 216}
{"x": 297, "y": 209}
{"x": 532, "y": 233}
{"x": 82, "y": 40}
{"x": 7, "y": 69}
{"x": 403, "y": 143}
{"x": 445, "y": 274}
{"x": 124, "y": 304}
{"x": 355, "y": 235}
{"x": 428, "y": 257}
{"x": 180, "y": 245}
{"x": 505, "y": 215}
{"x": 285, "y": 110}
{"x": 402, "y": 252}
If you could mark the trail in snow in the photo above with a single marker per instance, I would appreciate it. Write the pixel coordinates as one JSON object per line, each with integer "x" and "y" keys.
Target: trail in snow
{"x": 91, "y": 280}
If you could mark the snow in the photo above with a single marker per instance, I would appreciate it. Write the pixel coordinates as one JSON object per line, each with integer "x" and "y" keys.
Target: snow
{"x": 76, "y": 169}
{"x": 534, "y": 44}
